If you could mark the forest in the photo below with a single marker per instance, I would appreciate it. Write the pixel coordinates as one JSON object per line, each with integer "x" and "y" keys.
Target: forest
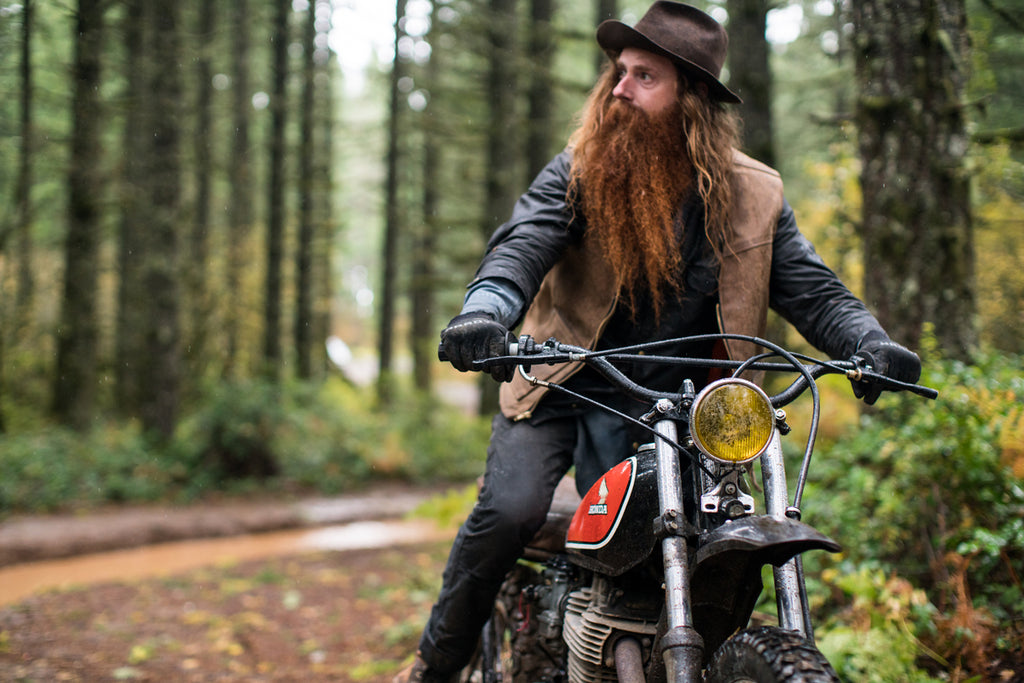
{"x": 232, "y": 232}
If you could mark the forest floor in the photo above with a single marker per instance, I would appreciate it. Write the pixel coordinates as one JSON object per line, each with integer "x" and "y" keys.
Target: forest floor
{"x": 338, "y": 615}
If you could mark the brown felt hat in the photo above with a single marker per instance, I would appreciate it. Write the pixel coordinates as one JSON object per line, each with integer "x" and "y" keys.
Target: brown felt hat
{"x": 683, "y": 33}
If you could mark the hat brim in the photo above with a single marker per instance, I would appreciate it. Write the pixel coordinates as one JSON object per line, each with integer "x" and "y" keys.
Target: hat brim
{"x": 613, "y": 36}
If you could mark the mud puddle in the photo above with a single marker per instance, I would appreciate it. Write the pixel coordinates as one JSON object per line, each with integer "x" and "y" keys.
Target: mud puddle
{"x": 22, "y": 580}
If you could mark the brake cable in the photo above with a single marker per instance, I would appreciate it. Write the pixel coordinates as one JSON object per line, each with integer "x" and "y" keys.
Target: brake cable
{"x": 612, "y": 411}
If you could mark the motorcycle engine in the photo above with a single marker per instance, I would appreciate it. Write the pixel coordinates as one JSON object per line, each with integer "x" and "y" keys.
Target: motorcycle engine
{"x": 595, "y": 616}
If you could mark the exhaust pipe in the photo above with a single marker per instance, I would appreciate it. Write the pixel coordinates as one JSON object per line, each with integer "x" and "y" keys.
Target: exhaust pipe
{"x": 629, "y": 661}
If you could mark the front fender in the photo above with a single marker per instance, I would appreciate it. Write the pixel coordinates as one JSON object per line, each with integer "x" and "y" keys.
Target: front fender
{"x": 727, "y": 576}
{"x": 770, "y": 539}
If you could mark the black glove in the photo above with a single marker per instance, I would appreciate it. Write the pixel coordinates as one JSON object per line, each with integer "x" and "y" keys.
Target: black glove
{"x": 888, "y": 358}
{"x": 476, "y": 336}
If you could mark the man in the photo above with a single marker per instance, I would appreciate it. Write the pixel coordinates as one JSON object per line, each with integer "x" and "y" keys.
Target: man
{"x": 649, "y": 226}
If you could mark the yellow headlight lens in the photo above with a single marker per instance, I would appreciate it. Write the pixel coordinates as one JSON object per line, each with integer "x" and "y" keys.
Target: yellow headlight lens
{"x": 732, "y": 420}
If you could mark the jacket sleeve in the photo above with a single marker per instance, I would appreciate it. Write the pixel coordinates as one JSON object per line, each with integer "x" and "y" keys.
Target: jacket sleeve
{"x": 809, "y": 295}
{"x": 542, "y": 226}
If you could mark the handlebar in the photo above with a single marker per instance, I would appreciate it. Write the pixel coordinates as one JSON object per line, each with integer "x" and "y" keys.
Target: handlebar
{"x": 526, "y": 351}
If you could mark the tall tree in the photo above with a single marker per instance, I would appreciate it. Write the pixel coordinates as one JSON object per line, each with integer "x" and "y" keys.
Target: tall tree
{"x": 23, "y": 185}
{"x": 130, "y": 351}
{"x": 604, "y": 10}
{"x": 323, "y": 172}
{"x": 160, "y": 393}
{"x": 750, "y": 75}
{"x": 422, "y": 335}
{"x": 22, "y": 195}
{"x": 303, "y": 328}
{"x": 540, "y": 96}
{"x": 276, "y": 191}
{"x": 392, "y": 227}
{"x": 199, "y": 313}
{"x": 911, "y": 61}
{"x": 502, "y": 149}
{"x": 74, "y": 397}
{"x": 240, "y": 215}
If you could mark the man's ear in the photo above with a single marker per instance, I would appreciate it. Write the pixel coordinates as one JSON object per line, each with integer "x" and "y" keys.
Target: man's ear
{"x": 702, "y": 88}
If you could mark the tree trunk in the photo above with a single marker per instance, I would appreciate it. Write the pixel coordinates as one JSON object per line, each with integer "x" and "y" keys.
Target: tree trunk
{"x": 276, "y": 194}
{"x": 74, "y": 399}
{"x": 304, "y": 249}
{"x": 240, "y": 215}
{"x": 23, "y": 185}
{"x": 160, "y": 392}
{"x": 911, "y": 61}
{"x": 324, "y": 214}
{"x": 540, "y": 98}
{"x": 750, "y": 75}
{"x": 604, "y": 9}
{"x": 392, "y": 228}
{"x": 502, "y": 144}
{"x": 129, "y": 343}
{"x": 199, "y": 312}
{"x": 22, "y": 202}
{"x": 423, "y": 336}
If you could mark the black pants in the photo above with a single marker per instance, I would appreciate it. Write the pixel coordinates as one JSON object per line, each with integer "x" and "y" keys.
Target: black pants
{"x": 525, "y": 462}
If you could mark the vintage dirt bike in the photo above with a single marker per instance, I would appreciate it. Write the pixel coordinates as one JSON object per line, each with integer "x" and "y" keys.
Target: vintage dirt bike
{"x": 654, "y": 574}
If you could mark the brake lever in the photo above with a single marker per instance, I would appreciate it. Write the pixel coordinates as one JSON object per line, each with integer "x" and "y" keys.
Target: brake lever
{"x": 861, "y": 371}
{"x": 894, "y": 384}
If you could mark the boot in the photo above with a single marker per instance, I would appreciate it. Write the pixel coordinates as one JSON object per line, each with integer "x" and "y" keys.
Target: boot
{"x": 420, "y": 672}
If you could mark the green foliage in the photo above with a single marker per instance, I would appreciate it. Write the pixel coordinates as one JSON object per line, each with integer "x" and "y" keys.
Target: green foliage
{"x": 919, "y": 479}
{"x": 928, "y": 501}
{"x": 331, "y": 437}
{"x": 448, "y": 509}
{"x": 872, "y": 639}
{"x": 245, "y": 437}
{"x": 232, "y": 436}
{"x": 61, "y": 469}
{"x": 999, "y": 222}
{"x": 878, "y": 655}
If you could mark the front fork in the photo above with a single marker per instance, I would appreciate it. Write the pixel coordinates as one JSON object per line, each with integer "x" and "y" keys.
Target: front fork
{"x": 790, "y": 589}
{"x": 682, "y": 646}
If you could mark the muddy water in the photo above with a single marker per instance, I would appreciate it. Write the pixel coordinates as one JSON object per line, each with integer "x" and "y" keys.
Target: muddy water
{"x": 23, "y": 580}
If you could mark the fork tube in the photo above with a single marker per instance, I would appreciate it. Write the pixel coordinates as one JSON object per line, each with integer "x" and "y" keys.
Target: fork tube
{"x": 789, "y": 597}
{"x": 683, "y": 648}
{"x": 670, "y": 499}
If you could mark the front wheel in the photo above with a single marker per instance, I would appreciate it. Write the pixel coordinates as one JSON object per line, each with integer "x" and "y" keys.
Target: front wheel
{"x": 769, "y": 655}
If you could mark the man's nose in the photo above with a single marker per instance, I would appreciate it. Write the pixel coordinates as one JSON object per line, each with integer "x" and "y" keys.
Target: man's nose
{"x": 622, "y": 89}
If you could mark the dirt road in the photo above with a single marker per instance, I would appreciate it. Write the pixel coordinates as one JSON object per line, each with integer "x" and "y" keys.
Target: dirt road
{"x": 245, "y": 601}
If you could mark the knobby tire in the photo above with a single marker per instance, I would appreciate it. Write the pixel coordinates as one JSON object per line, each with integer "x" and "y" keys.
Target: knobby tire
{"x": 769, "y": 655}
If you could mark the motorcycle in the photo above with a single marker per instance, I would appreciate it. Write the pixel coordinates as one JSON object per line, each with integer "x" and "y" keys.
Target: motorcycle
{"x": 653, "y": 575}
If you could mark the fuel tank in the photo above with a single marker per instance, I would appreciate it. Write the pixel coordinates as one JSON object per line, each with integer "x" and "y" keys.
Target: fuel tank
{"x": 613, "y": 530}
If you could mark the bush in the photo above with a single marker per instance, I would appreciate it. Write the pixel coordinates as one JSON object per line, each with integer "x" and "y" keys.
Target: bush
{"x": 328, "y": 438}
{"x": 932, "y": 492}
{"x": 63, "y": 470}
{"x": 245, "y": 437}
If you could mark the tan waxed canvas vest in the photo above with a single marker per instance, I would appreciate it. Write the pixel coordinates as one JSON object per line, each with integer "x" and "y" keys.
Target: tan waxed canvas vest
{"x": 577, "y": 298}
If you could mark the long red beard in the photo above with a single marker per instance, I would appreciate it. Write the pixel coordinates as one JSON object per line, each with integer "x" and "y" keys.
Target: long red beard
{"x": 632, "y": 178}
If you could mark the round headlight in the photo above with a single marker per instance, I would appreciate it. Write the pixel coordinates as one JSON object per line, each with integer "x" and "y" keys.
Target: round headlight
{"x": 732, "y": 420}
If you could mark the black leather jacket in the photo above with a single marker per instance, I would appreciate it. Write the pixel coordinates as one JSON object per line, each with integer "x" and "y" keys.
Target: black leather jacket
{"x": 802, "y": 289}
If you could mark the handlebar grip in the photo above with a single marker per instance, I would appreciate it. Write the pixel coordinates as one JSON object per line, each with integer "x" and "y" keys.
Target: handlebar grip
{"x": 441, "y": 355}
